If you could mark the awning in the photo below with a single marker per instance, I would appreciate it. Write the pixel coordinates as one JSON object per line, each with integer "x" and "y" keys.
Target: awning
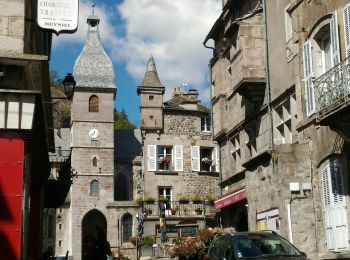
{"x": 230, "y": 199}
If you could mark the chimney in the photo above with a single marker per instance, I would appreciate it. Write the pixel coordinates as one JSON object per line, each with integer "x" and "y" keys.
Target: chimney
{"x": 176, "y": 92}
{"x": 192, "y": 94}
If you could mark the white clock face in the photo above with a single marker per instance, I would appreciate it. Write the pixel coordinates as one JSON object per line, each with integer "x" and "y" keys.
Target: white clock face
{"x": 93, "y": 133}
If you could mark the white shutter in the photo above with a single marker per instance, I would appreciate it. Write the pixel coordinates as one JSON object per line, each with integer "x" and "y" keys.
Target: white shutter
{"x": 339, "y": 207}
{"x": 178, "y": 158}
{"x": 336, "y": 223}
{"x": 217, "y": 159}
{"x": 309, "y": 85}
{"x": 328, "y": 220}
{"x": 151, "y": 157}
{"x": 346, "y": 16}
{"x": 334, "y": 39}
{"x": 195, "y": 158}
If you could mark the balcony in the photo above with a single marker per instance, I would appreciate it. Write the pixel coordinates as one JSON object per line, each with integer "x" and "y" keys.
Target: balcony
{"x": 332, "y": 91}
{"x": 175, "y": 209}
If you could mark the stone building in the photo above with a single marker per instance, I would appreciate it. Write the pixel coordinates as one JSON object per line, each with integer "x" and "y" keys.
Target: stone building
{"x": 26, "y": 130}
{"x": 280, "y": 74}
{"x": 100, "y": 201}
{"x": 180, "y": 160}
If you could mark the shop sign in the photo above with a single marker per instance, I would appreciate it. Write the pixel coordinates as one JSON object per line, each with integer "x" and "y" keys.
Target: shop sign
{"x": 230, "y": 199}
{"x": 58, "y": 15}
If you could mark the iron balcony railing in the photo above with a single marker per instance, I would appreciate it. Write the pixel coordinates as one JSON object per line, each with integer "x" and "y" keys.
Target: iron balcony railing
{"x": 177, "y": 209}
{"x": 332, "y": 89}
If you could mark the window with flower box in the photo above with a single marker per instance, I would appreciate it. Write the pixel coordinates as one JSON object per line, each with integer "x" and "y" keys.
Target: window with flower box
{"x": 204, "y": 159}
{"x": 164, "y": 158}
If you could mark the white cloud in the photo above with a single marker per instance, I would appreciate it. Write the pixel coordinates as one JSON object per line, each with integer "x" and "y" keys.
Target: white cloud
{"x": 173, "y": 31}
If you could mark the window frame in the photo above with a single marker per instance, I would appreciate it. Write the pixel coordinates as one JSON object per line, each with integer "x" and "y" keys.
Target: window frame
{"x": 205, "y": 124}
{"x": 93, "y": 186}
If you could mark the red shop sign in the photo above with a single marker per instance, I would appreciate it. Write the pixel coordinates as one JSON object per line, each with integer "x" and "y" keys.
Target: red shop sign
{"x": 230, "y": 199}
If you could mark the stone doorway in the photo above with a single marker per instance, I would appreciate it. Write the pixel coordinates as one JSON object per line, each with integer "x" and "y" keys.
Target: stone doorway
{"x": 93, "y": 223}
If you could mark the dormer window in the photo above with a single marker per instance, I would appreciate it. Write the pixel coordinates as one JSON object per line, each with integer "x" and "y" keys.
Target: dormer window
{"x": 205, "y": 124}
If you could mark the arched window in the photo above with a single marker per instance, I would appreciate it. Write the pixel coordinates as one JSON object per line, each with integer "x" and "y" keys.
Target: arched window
{"x": 127, "y": 227}
{"x": 93, "y": 103}
{"x": 94, "y": 188}
{"x": 94, "y": 162}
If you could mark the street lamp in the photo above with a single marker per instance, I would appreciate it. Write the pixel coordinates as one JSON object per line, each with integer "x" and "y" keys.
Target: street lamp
{"x": 69, "y": 85}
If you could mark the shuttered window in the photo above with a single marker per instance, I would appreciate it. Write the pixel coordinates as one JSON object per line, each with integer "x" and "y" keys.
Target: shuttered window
{"x": 164, "y": 158}
{"x": 93, "y": 103}
{"x": 205, "y": 159}
{"x": 334, "y": 206}
{"x": 346, "y": 16}
{"x": 334, "y": 39}
{"x": 309, "y": 86}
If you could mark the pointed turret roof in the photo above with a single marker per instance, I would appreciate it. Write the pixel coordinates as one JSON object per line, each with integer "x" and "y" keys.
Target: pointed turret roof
{"x": 93, "y": 68}
{"x": 151, "y": 78}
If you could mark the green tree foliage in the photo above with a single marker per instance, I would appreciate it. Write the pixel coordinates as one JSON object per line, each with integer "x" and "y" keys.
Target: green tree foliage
{"x": 121, "y": 120}
{"x": 60, "y": 107}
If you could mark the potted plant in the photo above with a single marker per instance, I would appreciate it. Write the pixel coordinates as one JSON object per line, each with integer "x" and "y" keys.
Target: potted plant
{"x": 196, "y": 199}
{"x": 211, "y": 199}
{"x": 138, "y": 201}
{"x": 150, "y": 200}
{"x": 146, "y": 244}
{"x": 184, "y": 200}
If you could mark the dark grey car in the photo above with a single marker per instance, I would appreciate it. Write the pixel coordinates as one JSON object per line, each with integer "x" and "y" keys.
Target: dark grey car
{"x": 253, "y": 245}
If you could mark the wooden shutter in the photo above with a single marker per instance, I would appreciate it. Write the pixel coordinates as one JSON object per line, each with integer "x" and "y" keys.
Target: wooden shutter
{"x": 334, "y": 39}
{"x": 346, "y": 16}
{"x": 151, "y": 157}
{"x": 309, "y": 85}
{"x": 195, "y": 158}
{"x": 178, "y": 158}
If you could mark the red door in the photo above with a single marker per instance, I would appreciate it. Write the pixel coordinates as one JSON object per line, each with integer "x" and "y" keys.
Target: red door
{"x": 11, "y": 185}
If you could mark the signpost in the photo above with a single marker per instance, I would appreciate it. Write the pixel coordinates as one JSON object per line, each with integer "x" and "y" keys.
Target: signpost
{"x": 59, "y": 16}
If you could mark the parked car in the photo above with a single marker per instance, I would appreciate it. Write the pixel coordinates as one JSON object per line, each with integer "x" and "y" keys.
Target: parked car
{"x": 253, "y": 245}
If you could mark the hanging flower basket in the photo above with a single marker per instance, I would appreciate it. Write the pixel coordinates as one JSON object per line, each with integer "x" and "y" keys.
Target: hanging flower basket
{"x": 163, "y": 159}
{"x": 207, "y": 160}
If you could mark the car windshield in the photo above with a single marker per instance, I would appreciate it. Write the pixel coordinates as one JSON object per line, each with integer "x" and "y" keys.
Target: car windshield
{"x": 262, "y": 245}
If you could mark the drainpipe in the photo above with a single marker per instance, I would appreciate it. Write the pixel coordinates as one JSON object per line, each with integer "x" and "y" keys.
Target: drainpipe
{"x": 290, "y": 233}
{"x": 268, "y": 86}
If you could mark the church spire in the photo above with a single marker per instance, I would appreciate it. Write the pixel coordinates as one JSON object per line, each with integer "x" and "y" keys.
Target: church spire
{"x": 151, "y": 78}
{"x": 93, "y": 68}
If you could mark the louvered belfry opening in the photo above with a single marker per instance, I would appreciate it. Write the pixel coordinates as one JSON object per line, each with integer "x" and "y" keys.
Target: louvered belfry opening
{"x": 94, "y": 104}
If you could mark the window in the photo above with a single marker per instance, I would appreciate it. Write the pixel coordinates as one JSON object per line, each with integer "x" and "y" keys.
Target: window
{"x": 236, "y": 154}
{"x": 60, "y": 226}
{"x": 94, "y": 162}
{"x": 127, "y": 227}
{"x": 284, "y": 118}
{"x": 204, "y": 159}
{"x": 164, "y": 158}
{"x": 59, "y": 243}
{"x": 334, "y": 205}
{"x": 320, "y": 54}
{"x": 93, "y": 103}
{"x": 94, "y": 188}
{"x": 150, "y": 98}
{"x": 165, "y": 192}
{"x": 205, "y": 124}
{"x": 288, "y": 25}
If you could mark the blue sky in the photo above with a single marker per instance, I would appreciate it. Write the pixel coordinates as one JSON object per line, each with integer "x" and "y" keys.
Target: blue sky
{"x": 132, "y": 30}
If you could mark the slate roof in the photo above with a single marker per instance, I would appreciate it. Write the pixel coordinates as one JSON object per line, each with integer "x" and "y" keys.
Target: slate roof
{"x": 179, "y": 103}
{"x": 127, "y": 144}
{"x": 151, "y": 78}
{"x": 62, "y": 145}
{"x": 93, "y": 68}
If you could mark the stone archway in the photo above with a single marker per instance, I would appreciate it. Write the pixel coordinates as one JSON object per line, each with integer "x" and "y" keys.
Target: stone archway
{"x": 93, "y": 223}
